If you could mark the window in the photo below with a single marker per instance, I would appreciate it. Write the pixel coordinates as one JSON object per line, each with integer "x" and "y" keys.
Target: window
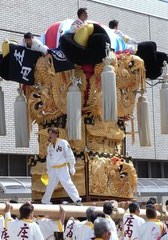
{"x": 17, "y": 165}
{"x": 14, "y": 165}
{"x": 165, "y": 166}
{"x": 151, "y": 168}
{"x": 143, "y": 169}
{"x": 156, "y": 170}
{"x": 4, "y": 165}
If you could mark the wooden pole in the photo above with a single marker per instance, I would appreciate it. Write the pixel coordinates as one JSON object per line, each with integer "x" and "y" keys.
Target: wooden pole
{"x": 54, "y": 212}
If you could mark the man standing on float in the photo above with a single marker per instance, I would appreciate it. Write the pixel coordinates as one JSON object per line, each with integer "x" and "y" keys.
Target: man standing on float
{"x": 59, "y": 156}
{"x": 81, "y": 21}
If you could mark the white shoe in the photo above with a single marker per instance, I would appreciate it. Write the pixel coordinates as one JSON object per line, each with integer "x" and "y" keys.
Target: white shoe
{"x": 65, "y": 202}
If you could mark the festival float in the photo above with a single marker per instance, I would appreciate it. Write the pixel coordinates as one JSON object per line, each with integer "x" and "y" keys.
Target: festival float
{"x": 87, "y": 87}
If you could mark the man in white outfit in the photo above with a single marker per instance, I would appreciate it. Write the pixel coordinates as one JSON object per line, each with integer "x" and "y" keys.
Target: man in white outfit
{"x": 71, "y": 228}
{"x": 1, "y": 225}
{"x": 24, "y": 228}
{"x": 153, "y": 228}
{"x": 131, "y": 43}
{"x": 78, "y": 23}
{"x": 132, "y": 222}
{"x": 85, "y": 228}
{"x": 59, "y": 156}
{"x": 34, "y": 44}
{"x": 102, "y": 229}
{"x": 49, "y": 226}
{"x": 107, "y": 209}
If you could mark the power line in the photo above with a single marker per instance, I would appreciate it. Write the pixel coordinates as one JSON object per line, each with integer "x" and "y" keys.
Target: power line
{"x": 153, "y": 106}
{"x": 17, "y": 32}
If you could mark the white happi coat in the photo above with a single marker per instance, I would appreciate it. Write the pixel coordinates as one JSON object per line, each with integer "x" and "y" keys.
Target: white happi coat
{"x": 48, "y": 227}
{"x": 131, "y": 226}
{"x": 119, "y": 228}
{"x": 24, "y": 229}
{"x": 76, "y": 25}
{"x": 71, "y": 229}
{"x": 1, "y": 225}
{"x": 37, "y": 46}
{"x": 58, "y": 157}
{"x": 59, "y": 154}
{"x": 114, "y": 235}
{"x": 126, "y": 38}
{"x": 131, "y": 44}
{"x": 84, "y": 231}
{"x": 153, "y": 229}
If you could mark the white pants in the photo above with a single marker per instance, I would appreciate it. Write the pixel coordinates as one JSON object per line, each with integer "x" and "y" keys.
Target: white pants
{"x": 61, "y": 175}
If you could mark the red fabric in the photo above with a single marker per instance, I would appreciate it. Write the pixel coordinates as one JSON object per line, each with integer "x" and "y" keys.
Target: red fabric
{"x": 89, "y": 71}
{"x": 121, "y": 52}
{"x": 51, "y": 35}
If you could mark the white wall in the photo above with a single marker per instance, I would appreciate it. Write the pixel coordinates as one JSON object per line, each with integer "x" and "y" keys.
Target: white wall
{"x": 155, "y": 8}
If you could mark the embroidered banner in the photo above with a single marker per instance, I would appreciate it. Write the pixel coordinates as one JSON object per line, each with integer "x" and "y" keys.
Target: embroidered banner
{"x": 22, "y": 62}
{"x": 60, "y": 61}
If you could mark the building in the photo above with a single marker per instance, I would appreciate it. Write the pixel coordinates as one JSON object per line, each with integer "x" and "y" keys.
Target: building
{"x": 141, "y": 20}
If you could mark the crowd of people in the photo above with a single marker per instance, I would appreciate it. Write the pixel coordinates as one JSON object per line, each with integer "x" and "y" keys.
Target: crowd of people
{"x": 100, "y": 225}
{"x": 97, "y": 224}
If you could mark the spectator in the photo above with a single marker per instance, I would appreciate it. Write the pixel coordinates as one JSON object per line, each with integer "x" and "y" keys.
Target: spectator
{"x": 82, "y": 17}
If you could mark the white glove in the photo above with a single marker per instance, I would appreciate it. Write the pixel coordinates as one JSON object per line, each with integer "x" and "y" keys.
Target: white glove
{"x": 72, "y": 170}
{"x": 132, "y": 41}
